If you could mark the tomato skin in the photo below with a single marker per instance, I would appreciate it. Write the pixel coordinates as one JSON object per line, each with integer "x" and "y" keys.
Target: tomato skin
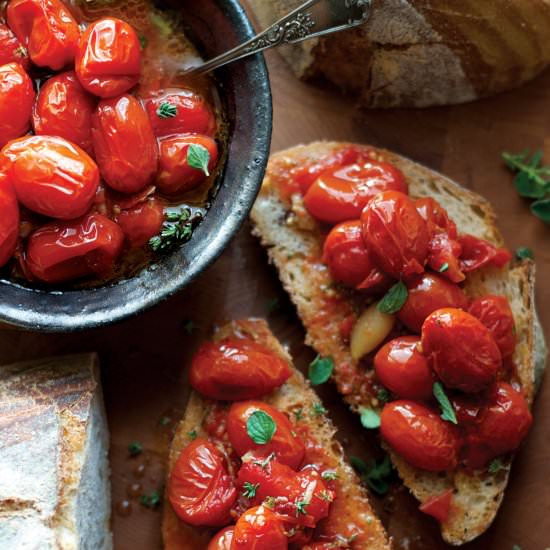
{"x": 175, "y": 175}
{"x": 63, "y": 108}
{"x": 17, "y": 93}
{"x": 11, "y": 50}
{"x": 193, "y": 113}
{"x": 9, "y": 220}
{"x": 460, "y": 349}
{"x": 288, "y": 448}
{"x": 47, "y": 29}
{"x": 64, "y": 251}
{"x": 237, "y": 369}
{"x": 222, "y": 540}
{"x": 200, "y": 488}
{"x": 428, "y": 293}
{"x": 51, "y": 176}
{"x": 495, "y": 313}
{"x": 142, "y": 222}
{"x": 436, "y": 217}
{"x": 108, "y": 60}
{"x": 259, "y": 529}
{"x": 395, "y": 234}
{"x": 478, "y": 253}
{"x": 420, "y": 436}
{"x": 125, "y": 148}
{"x": 341, "y": 193}
{"x": 402, "y": 369}
{"x": 439, "y": 506}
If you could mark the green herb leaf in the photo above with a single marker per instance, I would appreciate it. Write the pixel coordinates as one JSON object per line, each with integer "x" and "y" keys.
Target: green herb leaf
{"x": 496, "y": 466}
{"x": 541, "y": 209}
{"x": 370, "y": 419}
{"x": 164, "y": 421}
{"x": 265, "y": 462}
{"x": 523, "y": 253}
{"x": 301, "y": 507}
{"x": 329, "y": 475}
{"x": 298, "y": 414}
{"x": 135, "y": 448}
{"x": 527, "y": 187}
{"x": 192, "y": 434}
{"x": 383, "y": 395}
{"x": 261, "y": 427}
{"x": 177, "y": 229}
{"x": 448, "y": 412}
{"x": 151, "y": 501}
{"x": 444, "y": 267}
{"x": 143, "y": 41}
{"x": 167, "y": 110}
{"x": 320, "y": 370}
{"x": 198, "y": 157}
{"x": 395, "y": 299}
{"x": 318, "y": 410}
{"x": 377, "y": 475}
{"x": 250, "y": 489}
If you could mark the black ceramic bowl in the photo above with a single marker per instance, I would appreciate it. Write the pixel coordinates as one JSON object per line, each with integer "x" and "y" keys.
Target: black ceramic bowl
{"x": 216, "y": 26}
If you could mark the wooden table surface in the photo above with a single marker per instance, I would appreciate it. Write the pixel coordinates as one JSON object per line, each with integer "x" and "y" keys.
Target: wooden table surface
{"x": 144, "y": 359}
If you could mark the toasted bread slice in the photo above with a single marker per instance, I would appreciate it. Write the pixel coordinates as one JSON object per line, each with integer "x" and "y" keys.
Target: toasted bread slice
{"x": 294, "y": 243}
{"x": 350, "y": 510}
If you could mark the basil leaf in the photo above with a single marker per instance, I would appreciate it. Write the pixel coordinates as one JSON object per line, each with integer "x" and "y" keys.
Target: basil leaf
{"x": 523, "y": 253}
{"x": 167, "y": 110}
{"x": 320, "y": 370}
{"x": 395, "y": 299}
{"x": 370, "y": 419}
{"x": 448, "y": 412}
{"x": 541, "y": 209}
{"x": 198, "y": 157}
{"x": 261, "y": 427}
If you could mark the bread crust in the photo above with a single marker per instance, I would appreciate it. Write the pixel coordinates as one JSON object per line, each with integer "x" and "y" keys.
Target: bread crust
{"x": 293, "y": 240}
{"x": 351, "y": 502}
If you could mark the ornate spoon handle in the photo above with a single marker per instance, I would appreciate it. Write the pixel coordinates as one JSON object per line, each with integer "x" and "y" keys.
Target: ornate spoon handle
{"x": 313, "y": 18}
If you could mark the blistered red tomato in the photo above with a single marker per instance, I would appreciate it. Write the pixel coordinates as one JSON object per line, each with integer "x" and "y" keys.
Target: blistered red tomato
{"x": 108, "y": 61}
{"x": 222, "y": 540}
{"x": 9, "y": 220}
{"x": 200, "y": 488}
{"x": 287, "y": 447}
{"x": 64, "y": 251}
{"x": 341, "y": 193}
{"x": 403, "y": 370}
{"x": 436, "y": 217}
{"x": 63, "y": 108}
{"x": 237, "y": 369}
{"x": 11, "y": 50}
{"x": 420, "y": 436}
{"x": 124, "y": 144}
{"x": 477, "y": 253}
{"x": 178, "y": 111}
{"x": 395, "y": 234}
{"x": 460, "y": 349}
{"x": 176, "y": 173}
{"x": 142, "y": 222}
{"x": 439, "y": 506}
{"x": 444, "y": 257}
{"x": 47, "y": 29}
{"x": 17, "y": 95}
{"x": 259, "y": 529}
{"x": 51, "y": 176}
{"x": 427, "y": 293}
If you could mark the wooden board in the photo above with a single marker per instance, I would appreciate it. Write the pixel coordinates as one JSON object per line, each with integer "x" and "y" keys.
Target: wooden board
{"x": 144, "y": 359}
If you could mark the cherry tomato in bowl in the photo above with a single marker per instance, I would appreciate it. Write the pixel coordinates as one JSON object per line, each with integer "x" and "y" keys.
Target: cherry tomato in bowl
{"x": 142, "y": 222}
{"x": 259, "y": 529}
{"x": 11, "y": 50}
{"x": 9, "y": 220}
{"x": 222, "y": 540}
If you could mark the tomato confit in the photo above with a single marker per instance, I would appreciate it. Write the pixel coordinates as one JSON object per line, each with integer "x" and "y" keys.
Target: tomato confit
{"x": 108, "y": 153}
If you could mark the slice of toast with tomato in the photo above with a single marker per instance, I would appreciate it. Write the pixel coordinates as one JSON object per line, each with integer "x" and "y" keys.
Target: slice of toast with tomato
{"x": 351, "y": 522}
{"x": 294, "y": 241}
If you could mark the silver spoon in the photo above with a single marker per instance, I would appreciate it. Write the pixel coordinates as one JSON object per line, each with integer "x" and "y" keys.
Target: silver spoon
{"x": 313, "y": 18}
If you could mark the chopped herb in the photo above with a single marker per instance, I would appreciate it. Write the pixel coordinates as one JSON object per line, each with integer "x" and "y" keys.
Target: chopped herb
{"x": 523, "y": 253}
{"x": 325, "y": 495}
{"x": 298, "y": 413}
{"x": 370, "y": 418}
{"x": 273, "y": 305}
{"x": 150, "y": 501}
{"x": 189, "y": 327}
{"x": 318, "y": 409}
{"x": 270, "y": 502}
{"x": 250, "y": 489}
{"x": 320, "y": 370}
{"x": 394, "y": 299}
{"x": 167, "y": 110}
{"x": 192, "y": 434}
{"x": 198, "y": 157}
{"x": 496, "y": 466}
{"x": 21, "y": 51}
{"x": 376, "y": 475}
{"x": 448, "y": 412}
{"x": 164, "y": 421}
{"x": 329, "y": 475}
{"x": 541, "y": 209}
{"x": 261, "y": 427}
{"x": 143, "y": 41}
{"x": 301, "y": 507}
{"x": 444, "y": 267}
{"x": 177, "y": 229}
{"x": 265, "y": 462}
{"x": 383, "y": 395}
{"x": 135, "y": 448}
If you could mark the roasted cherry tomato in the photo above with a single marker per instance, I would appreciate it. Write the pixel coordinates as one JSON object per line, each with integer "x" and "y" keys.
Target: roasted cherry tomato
{"x": 63, "y": 108}
{"x": 64, "y": 251}
{"x": 341, "y": 193}
{"x": 47, "y": 29}
{"x": 395, "y": 234}
{"x": 108, "y": 61}
{"x": 177, "y": 111}
{"x": 237, "y": 369}
{"x": 11, "y": 50}
{"x": 124, "y": 144}
{"x": 427, "y": 293}
{"x": 402, "y": 369}
{"x": 439, "y": 506}
{"x": 495, "y": 313}
{"x": 420, "y": 436}
{"x": 259, "y": 529}
{"x": 444, "y": 257}
{"x": 200, "y": 488}
{"x": 142, "y": 222}
{"x": 17, "y": 98}
{"x": 51, "y": 176}
{"x": 287, "y": 447}
{"x": 436, "y": 217}
{"x": 477, "y": 253}
{"x": 9, "y": 220}
{"x": 176, "y": 174}
{"x": 460, "y": 349}
{"x": 223, "y": 540}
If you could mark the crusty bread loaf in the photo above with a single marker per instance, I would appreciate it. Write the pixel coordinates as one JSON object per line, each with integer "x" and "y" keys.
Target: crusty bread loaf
{"x": 294, "y": 243}
{"x": 351, "y": 502}
{"x": 54, "y": 474}
{"x": 416, "y": 53}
